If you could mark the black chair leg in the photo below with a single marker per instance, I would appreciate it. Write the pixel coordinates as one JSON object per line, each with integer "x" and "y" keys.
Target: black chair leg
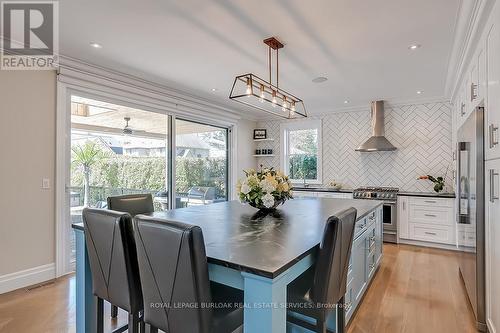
{"x": 340, "y": 316}
{"x": 133, "y": 323}
{"x": 100, "y": 315}
{"x": 321, "y": 327}
{"x": 114, "y": 311}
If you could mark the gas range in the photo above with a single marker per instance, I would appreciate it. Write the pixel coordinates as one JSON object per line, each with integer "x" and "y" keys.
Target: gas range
{"x": 389, "y": 195}
{"x": 376, "y": 193}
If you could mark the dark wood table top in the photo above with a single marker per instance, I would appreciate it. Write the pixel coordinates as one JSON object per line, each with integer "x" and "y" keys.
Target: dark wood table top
{"x": 235, "y": 236}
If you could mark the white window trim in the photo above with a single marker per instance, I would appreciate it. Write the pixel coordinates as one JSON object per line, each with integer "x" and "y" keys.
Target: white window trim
{"x": 301, "y": 125}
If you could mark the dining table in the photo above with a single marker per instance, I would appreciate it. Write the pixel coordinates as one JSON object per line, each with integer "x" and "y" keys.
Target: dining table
{"x": 255, "y": 251}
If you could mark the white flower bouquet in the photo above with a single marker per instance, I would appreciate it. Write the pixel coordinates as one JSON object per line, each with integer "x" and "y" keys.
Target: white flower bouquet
{"x": 265, "y": 189}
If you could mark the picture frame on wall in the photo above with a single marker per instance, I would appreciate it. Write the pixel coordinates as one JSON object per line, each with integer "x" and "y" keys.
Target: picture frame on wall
{"x": 259, "y": 134}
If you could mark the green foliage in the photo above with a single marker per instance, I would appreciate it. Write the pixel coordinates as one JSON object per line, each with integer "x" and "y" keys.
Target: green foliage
{"x": 88, "y": 154}
{"x": 127, "y": 174}
{"x": 303, "y": 166}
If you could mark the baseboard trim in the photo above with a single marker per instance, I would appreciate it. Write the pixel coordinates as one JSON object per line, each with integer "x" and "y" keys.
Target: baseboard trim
{"x": 428, "y": 244}
{"x": 27, "y": 277}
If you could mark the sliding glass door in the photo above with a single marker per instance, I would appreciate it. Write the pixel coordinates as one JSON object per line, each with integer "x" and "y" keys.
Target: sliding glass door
{"x": 117, "y": 150}
{"x": 201, "y": 164}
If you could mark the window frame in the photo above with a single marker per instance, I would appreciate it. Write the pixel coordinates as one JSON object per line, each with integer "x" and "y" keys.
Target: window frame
{"x": 285, "y": 128}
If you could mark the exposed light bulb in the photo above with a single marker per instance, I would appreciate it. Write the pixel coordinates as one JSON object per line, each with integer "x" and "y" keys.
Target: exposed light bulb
{"x": 249, "y": 86}
{"x": 293, "y": 106}
{"x": 262, "y": 96}
{"x": 283, "y": 106}
{"x": 275, "y": 101}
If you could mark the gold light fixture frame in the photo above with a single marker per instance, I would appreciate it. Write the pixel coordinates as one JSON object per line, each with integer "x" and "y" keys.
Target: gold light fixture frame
{"x": 251, "y": 90}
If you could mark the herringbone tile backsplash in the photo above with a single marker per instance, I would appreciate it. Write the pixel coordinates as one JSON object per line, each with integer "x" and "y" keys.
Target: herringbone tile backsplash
{"x": 422, "y": 133}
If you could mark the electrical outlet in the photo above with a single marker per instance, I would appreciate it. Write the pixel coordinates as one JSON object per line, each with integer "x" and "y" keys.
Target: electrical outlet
{"x": 46, "y": 183}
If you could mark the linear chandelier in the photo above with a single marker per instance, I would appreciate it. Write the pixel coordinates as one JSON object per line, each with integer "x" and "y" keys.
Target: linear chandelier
{"x": 251, "y": 90}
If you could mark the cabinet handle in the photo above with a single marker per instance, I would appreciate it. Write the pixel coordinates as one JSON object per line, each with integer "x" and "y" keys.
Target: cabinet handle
{"x": 493, "y": 195}
{"x": 492, "y": 130}
{"x": 430, "y": 233}
{"x": 404, "y": 205}
{"x": 430, "y": 201}
{"x": 462, "y": 109}
{"x": 430, "y": 215}
{"x": 473, "y": 92}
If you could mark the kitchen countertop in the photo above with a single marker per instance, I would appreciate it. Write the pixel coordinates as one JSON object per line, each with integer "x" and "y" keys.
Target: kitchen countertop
{"x": 401, "y": 193}
{"x": 237, "y": 236}
{"x": 427, "y": 194}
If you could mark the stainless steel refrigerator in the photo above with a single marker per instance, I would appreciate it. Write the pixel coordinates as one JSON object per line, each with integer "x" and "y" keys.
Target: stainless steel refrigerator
{"x": 470, "y": 227}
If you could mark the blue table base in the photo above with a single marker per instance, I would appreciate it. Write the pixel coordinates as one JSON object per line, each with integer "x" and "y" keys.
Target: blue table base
{"x": 265, "y": 299}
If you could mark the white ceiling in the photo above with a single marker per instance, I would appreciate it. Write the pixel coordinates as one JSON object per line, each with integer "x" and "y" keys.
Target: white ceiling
{"x": 360, "y": 45}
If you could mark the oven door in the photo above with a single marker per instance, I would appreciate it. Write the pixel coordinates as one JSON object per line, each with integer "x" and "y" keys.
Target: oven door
{"x": 389, "y": 221}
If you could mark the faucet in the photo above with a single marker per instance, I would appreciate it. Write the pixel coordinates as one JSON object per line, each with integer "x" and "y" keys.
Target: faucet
{"x": 304, "y": 180}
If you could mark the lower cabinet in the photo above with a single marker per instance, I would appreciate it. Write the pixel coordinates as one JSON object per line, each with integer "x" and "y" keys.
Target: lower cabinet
{"x": 429, "y": 220}
{"x": 366, "y": 254}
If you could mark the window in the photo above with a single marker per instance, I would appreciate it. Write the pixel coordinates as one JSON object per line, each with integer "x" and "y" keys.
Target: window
{"x": 201, "y": 164}
{"x": 301, "y": 151}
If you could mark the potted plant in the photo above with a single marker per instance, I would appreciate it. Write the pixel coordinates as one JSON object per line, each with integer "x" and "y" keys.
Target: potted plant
{"x": 438, "y": 182}
{"x": 265, "y": 189}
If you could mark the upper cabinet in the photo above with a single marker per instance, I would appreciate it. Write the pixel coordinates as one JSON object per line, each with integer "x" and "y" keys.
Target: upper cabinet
{"x": 492, "y": 146}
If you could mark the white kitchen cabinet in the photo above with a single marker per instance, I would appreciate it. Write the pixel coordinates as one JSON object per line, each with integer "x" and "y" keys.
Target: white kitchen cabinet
{"x": 301, "y": 194}
{"x": 492, "y": 232}
{"x": 403, "y": 217}
{"x": 426, "y": 219}
{"x": 492, "y": 146}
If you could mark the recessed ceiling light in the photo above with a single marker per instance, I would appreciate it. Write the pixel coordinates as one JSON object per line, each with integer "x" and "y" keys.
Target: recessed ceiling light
{"x": 346, "y": 102}
{"x": 414, "y": 46}
{"x": 319, "y": 79}
{"x": 96, "y": 45}
{"x": 419, "y": 92}
{"x": 214, "y": 90}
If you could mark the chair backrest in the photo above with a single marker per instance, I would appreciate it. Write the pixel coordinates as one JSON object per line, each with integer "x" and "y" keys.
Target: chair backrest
{"x": 132, "y": 203}
{"x": 330, "y": 277}
{"x": 174, "y": 272}
{"x": 113, "y": 258}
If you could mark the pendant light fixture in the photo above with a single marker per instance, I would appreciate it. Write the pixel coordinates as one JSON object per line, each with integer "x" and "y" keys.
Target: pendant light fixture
{"x": 253, "y": 91}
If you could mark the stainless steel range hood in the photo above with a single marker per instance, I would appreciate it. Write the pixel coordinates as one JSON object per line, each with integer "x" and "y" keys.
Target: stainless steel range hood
{"x": 377, "y": 142}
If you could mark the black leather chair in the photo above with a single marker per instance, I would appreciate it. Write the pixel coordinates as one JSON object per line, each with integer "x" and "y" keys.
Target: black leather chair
{"x": 325, "y": 283}
{"x": 113, "y": 264}
{"x": 133, "y": 204}
{"x": 174, "y": 272}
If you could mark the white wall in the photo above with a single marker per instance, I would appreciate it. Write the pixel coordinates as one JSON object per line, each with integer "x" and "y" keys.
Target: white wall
{"x": 422, "y": 133}
{"x": 27, "y": 146}
{"x": 245, "y": 146}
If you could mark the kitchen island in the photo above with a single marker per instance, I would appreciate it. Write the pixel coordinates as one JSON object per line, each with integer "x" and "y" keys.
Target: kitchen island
{"x": 262, "y": 254}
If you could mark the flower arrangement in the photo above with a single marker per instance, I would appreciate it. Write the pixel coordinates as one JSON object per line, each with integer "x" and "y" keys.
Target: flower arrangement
{"x": 264, "y": 189}
{"x": 438, "y": 182}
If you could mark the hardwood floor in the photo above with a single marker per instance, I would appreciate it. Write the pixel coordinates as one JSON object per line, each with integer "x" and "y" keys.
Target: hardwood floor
{"x": 415, "y": 290}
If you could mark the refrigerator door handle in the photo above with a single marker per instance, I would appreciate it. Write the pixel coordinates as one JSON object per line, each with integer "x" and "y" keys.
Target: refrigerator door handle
{"x": 493, "y": 194}
{"x": 492, "y": 130}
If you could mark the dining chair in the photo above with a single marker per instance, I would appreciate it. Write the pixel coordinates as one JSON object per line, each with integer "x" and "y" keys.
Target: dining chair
{"x": 324, "y": 284}
{"x": 174, "y": 276}
{"x": 133, "y": 204}
{"x": 113, "y": 264}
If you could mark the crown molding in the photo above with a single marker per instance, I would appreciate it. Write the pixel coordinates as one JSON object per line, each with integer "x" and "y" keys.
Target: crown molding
{"x": 469, "y": 26}
{"x": 366, "y": 108}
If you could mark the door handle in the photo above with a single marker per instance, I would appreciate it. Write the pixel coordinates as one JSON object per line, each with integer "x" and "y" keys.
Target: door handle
{"x": 493, "y": 195}
{"x": 492, "y": 130}
{"x": 473, "y": 92}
